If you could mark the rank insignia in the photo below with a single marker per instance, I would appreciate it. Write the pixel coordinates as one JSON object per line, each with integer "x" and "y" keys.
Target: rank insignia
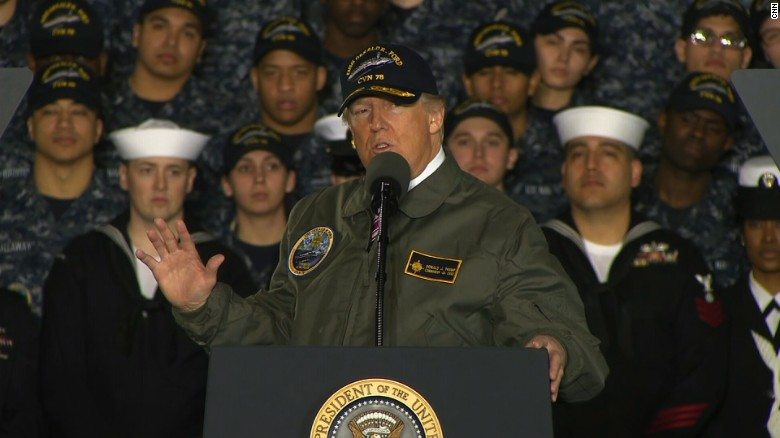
{"x": 432, "y": 268}
{"x": 310, "y": 250}
{"x": 655, "y": 253}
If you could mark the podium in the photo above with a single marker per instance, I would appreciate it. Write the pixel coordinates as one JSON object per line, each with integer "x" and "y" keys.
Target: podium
{"x": 394, "y": 392}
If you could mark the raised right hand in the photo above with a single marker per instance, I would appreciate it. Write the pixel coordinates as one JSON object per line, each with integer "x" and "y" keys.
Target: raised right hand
{"x": 180, "y": 273}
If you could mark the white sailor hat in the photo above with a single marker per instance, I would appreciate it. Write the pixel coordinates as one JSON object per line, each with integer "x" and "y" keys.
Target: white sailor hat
{"x": 601, "y": 121}
{"x": 158, "y": 138}
{"x": 331, "y": 128}
{"x": 758, "y": 196}
{"x": 759, "y": 172}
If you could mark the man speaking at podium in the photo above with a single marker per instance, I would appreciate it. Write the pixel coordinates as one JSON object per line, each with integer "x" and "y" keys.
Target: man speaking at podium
{"x": 465, "y": 265}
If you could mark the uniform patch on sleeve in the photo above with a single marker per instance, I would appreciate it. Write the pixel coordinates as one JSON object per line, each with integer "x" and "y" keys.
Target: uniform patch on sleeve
{"x": 432, "y": 268}
{"x": 655, "y": 253}
{"x": 310, "y": 250}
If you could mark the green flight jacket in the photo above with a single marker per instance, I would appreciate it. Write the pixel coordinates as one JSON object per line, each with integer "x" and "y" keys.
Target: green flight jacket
{"x": 484, "y": 276}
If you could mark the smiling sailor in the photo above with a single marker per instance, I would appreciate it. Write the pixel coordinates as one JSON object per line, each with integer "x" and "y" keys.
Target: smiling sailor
{"x": 465, "y": 265}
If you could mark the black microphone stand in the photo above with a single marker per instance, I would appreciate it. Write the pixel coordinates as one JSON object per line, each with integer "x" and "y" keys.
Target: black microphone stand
{"x": 386, "y": 208}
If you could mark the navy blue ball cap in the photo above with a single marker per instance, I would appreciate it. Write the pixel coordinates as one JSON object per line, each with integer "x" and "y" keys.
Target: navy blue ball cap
{"x": 706, "y": 91}
{"x": 69, "y": 27}
{"x": 199, "y": 8}
{"x": 65, "y": 80}
{"x": 253, "y": 137}
{"x": 390, "y": 71}
{"x": 291, "y": 34}
{"x": 499, "y": 43}
{"x": 567, "y": 13}
{"x": 475, "y": 108}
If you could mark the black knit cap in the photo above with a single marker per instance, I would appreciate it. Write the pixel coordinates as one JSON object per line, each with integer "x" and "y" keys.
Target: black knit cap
{"x": 499, "y": 43}
{"x": 291, "y": 34}
{"x": 474, "y": 108}
{"x": 706, "y": 8}
{"x": 567, "y": 13}
{"x": 706, "y": 91}
{"x": 253, "y": 137}
{"x": 390, "y": 71}
{"x": 65, "y": 80}
{"x": 65, "y": 27}
{"x": 199, "y": 8}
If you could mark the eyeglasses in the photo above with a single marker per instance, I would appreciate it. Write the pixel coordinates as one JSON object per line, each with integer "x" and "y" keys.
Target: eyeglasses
{"x": 708, "y": 38}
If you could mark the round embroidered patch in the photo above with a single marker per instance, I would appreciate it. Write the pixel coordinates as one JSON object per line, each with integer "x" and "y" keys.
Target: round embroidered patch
{"x": 310, "y": 250}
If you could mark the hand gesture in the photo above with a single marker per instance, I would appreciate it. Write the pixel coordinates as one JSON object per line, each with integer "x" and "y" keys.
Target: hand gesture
{"x": 557, "y": 356}
{"x": 180, "y": 273}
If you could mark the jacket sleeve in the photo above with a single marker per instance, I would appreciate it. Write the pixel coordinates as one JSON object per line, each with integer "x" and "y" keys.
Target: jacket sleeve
{"x": 701, "y": 349}
{"x": 535, "y": 296}
{"x": 260, "y": 319}
{"x": 68, "y": 405}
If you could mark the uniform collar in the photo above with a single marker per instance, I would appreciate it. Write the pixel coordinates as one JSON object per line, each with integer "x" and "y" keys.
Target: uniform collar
{"x": 759, "y": 292}
{"x": 429, "y": 169}
{"x": 424, "y": 198}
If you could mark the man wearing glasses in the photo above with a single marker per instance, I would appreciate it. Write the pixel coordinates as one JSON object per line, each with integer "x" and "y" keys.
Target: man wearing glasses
{"x": 715, "y": 37}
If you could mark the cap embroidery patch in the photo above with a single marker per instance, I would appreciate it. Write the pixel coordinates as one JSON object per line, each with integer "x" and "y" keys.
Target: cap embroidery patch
{"x": 571, "y": 11}
{"x": 61, "y": 14}
{"x": 382, "y": 56}
{"x": 310, "y": 250}
{"x": 432, "y": 268}
{"x": 285, "y": 29}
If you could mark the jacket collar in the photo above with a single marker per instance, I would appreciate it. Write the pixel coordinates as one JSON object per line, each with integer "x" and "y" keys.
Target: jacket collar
{"x": 421, "y": 201}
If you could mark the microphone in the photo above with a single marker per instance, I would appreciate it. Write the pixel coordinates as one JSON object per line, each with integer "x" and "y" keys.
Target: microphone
{"x": 387, "y": 179}
{"x": 390, "y": 172}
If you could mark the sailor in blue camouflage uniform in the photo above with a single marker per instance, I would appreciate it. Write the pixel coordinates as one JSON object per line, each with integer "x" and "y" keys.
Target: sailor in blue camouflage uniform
{"x": 64, "y": 194}
{"x": 57, "y": 30}
{"x": 716, "y": 37}
{"x": 345, "y": 28}
{"x": 438, "y": 30}
{"x": 162, "y": 86}
{"x": 288, "y": 71}
{"x": 259, "y": 176}
{"x": 566, "y": 34}
{"x": 687, "y": 192}
{"x": 479, "y": 137}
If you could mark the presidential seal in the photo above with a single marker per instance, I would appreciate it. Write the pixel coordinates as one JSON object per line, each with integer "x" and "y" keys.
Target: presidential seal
{"x": 376, "y": 408}
{"x": 310, "y": 250}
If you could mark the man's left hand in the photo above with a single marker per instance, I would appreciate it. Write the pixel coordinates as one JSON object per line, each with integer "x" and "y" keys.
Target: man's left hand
{"x": 557, "y": 356}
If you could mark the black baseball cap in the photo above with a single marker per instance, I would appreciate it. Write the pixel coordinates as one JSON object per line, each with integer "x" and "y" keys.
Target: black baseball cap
{"x": 65, "y": 27}
{"x": 199, "y": 8}
{"x": 65, "y": 80}
{"x": 706, "y": 8}
{"x": 475, "y": 108}
{"x": 706, "y": 91}
{"x": 252, "y": 137}
{"x": 291, "y": 34}
{"x": 567, "y": 13}
{"x": 391, "y": 71}
{"x": 499, "y": 43}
